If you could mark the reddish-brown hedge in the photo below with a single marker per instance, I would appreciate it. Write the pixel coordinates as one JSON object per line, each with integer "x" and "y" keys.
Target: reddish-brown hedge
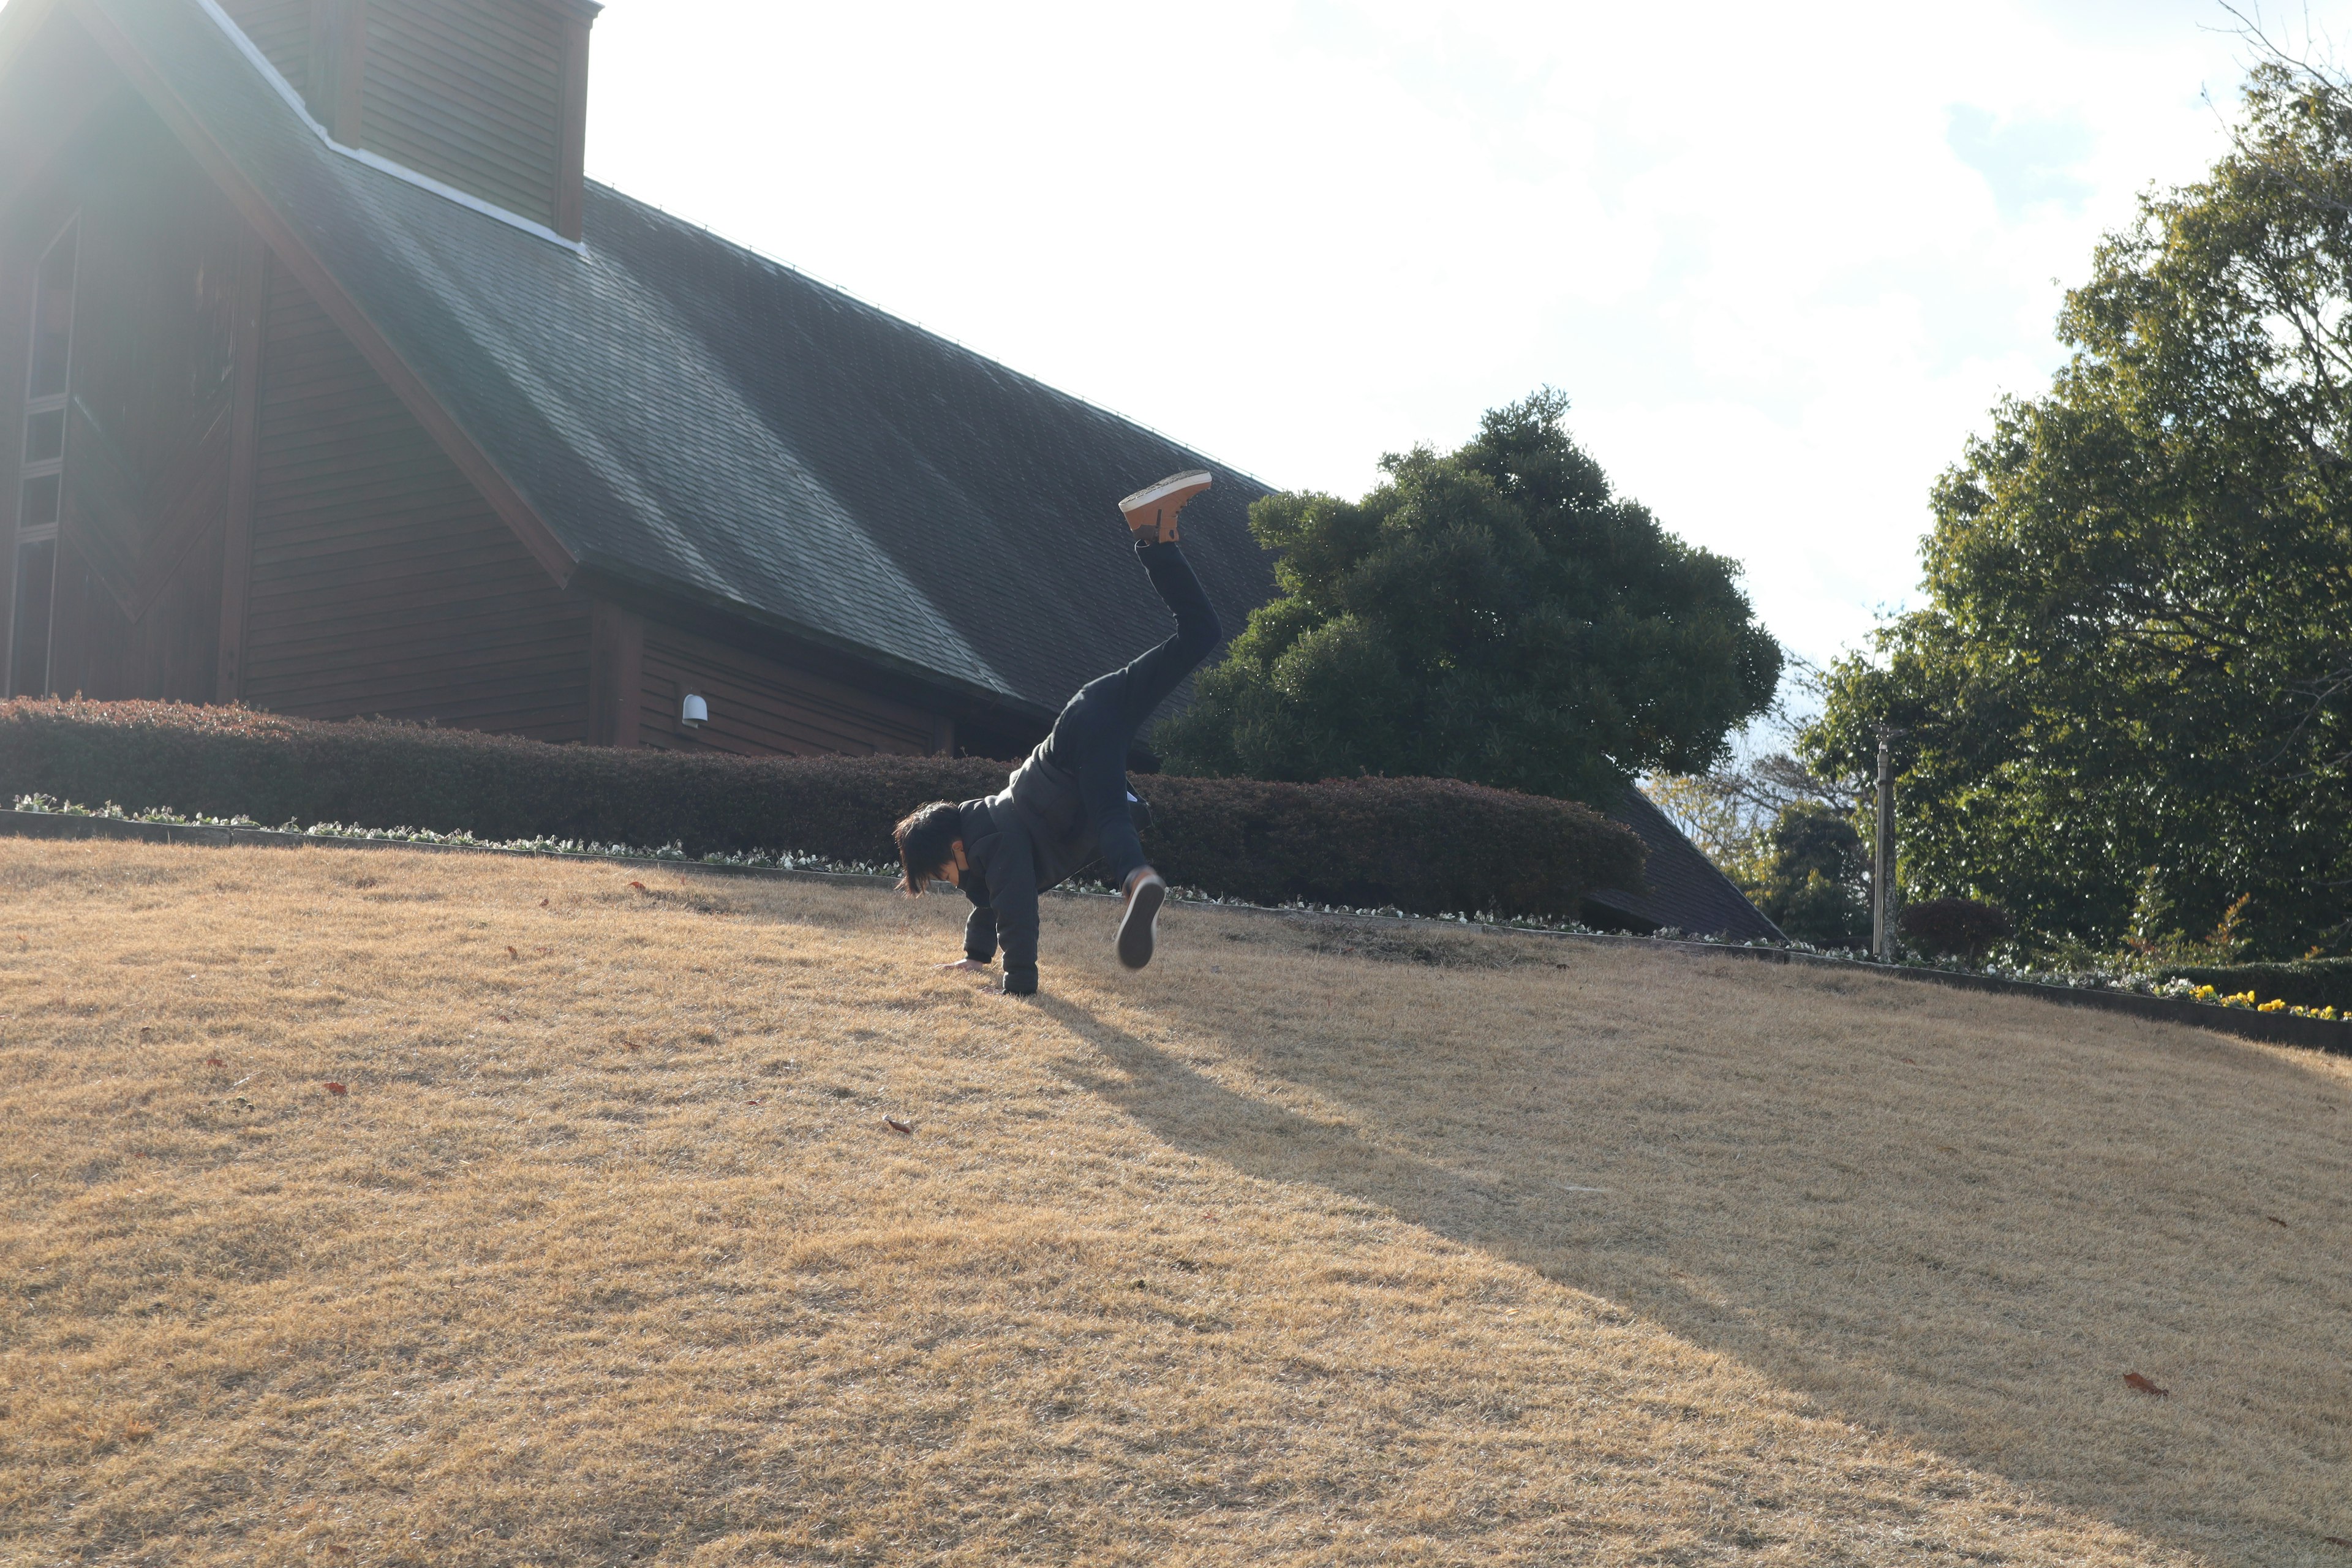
{"x": 1430, "y": 845}
{"x": 1961, "y": 927}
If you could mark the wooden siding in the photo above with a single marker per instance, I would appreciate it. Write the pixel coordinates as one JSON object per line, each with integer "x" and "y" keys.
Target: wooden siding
{"x": 280, "y": 29}
{"x": 244, "y": 457}
{"x": 760, "y": 707}
{"x": 471, "y": 92}
{"x": 616, "y": 668}
{"x": 171, "y": 652}
{"x": 381, "y": 580}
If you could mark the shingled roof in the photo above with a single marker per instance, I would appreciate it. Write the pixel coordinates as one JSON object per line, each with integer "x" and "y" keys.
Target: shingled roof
{"x": 655, "y": 407}
{"x": 1685, "y": 889}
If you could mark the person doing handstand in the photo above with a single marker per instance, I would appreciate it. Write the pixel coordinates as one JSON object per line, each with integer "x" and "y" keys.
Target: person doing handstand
{"x": 1069, "y": 801}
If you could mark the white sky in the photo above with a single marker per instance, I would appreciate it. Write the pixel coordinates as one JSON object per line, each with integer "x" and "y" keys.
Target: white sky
{"x": 1783, "y": 259}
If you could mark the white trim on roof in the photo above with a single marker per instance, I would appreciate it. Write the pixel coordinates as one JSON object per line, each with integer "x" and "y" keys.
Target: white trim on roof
{"x": 376, "y": 161}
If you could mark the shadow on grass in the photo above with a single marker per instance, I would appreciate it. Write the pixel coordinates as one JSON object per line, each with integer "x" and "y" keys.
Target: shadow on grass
{"x": 1985, "y": 1301}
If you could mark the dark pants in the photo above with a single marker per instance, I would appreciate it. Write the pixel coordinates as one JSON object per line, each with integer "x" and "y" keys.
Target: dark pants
{"x": 1098, "y": 727}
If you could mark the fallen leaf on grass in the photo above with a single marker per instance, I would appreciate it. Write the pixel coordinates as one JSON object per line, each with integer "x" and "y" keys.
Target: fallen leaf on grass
{"x": 638, "y": 886}
{"x": 2145, "y": 1386}
{"x": 215, "y": 1062}
{"x": 2336, "y": 1540}
{"x": 631, "y": 1045}
{"x": 335, "y": 1089}
{"x": 511, "y": 952}
{"x": 2278, "y": 1222}
{"x": 904, "y": 1130}
{"x": 542, "y": 903}
{"x": 755, "y": 1103}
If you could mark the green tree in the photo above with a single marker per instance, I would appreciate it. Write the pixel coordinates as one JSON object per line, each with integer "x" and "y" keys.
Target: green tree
{"x": 1816, "y": 885}
{"x": 1494, "y": 614}
{"x": 2137, "y": 650}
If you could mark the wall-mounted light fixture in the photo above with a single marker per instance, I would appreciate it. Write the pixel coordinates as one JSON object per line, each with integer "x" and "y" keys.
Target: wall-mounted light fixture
{"x": 694, "y": 712}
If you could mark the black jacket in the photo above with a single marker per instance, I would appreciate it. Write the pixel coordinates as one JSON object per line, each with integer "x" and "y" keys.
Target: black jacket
{"x": 1031, "y": 836}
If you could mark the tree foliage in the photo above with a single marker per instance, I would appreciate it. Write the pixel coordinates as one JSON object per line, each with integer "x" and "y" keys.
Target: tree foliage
{"x": 2133, "y": 678}
{"x": 1816, "y": 886}
{"x": 1495, "y": 614}
{"x": 1730, "y": 813}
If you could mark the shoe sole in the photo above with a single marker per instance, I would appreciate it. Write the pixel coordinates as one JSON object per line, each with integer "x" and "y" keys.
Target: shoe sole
{"x": 1192, "y": 478}
{"x": 1152, "y": 511}
{"x": 1138, "y": 929}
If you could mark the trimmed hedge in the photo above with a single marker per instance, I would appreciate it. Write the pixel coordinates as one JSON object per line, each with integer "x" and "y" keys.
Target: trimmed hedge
{"x": 2312, "y": 983}
{"x": 1956, "y": 927}
{"x": 1423, "y": 845}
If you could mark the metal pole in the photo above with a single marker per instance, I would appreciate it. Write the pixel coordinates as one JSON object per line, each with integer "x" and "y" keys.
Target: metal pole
{"x": 1882, "y": 867}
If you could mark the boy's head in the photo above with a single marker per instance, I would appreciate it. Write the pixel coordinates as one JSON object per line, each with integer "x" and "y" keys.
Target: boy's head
{"x": 928, "y": 838}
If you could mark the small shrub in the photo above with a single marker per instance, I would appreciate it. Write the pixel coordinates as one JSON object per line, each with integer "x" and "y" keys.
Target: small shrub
{"x": 1425, "y": 846}
{"x": 1959, "y": 928}
{"x": 2310, "y": 982}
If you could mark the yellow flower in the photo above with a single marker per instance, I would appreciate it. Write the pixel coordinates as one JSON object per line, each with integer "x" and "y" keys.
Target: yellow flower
{"x": 2271, "y": 1007}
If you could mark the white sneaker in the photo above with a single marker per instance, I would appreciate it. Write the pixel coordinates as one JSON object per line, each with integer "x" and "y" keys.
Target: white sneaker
{"x": 1151, "y": 510}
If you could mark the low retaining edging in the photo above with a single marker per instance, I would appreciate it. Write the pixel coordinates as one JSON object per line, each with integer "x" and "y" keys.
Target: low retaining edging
{"x": 61, "y": 825}
{"x": 2272, "y": 1029}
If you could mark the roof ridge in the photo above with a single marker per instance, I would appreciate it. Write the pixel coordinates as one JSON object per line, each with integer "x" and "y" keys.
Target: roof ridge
{"x": 679, "y": 220}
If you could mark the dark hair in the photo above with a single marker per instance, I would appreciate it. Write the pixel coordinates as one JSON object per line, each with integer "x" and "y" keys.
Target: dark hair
{"x": 927, "y": 838}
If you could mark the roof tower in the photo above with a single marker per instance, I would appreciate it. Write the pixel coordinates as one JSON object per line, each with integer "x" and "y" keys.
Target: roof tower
{"x": 487, "y": 97}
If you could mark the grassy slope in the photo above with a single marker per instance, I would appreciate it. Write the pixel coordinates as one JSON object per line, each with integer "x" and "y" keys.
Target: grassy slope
{"x": 1276, "y": 1253}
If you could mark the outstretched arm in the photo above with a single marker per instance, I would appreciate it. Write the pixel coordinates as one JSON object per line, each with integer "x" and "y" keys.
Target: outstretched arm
{"x": 979, "y": 938}
{"x": 1014, "y": 900}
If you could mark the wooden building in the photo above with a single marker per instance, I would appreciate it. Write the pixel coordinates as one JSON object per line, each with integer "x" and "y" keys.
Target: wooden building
{"x": 337, "y": 390}
{"x": 343, "y": 392}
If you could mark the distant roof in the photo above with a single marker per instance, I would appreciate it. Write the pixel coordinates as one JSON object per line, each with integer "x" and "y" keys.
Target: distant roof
{"x": 682, "y": 413}
{"x": 1685, "y": 889}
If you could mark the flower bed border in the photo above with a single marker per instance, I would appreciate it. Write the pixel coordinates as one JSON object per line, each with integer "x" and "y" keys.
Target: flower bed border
{"x": 2332, "y": 1036}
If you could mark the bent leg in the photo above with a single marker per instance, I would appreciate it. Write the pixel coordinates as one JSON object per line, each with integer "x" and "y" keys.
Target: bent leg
{"x": 1096, "y": 731}
{"x": 1102, "y": 789}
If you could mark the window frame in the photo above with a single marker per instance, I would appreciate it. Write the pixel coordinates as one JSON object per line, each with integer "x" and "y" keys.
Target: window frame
{"x": 29, "y": 469}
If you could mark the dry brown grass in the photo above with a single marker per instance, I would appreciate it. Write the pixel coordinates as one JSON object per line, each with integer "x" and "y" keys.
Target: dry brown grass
{"x": 1281, "y": 1252}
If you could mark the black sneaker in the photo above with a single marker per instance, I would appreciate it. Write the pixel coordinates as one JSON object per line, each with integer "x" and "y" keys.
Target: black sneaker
{"x": 1138, "y": 929}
